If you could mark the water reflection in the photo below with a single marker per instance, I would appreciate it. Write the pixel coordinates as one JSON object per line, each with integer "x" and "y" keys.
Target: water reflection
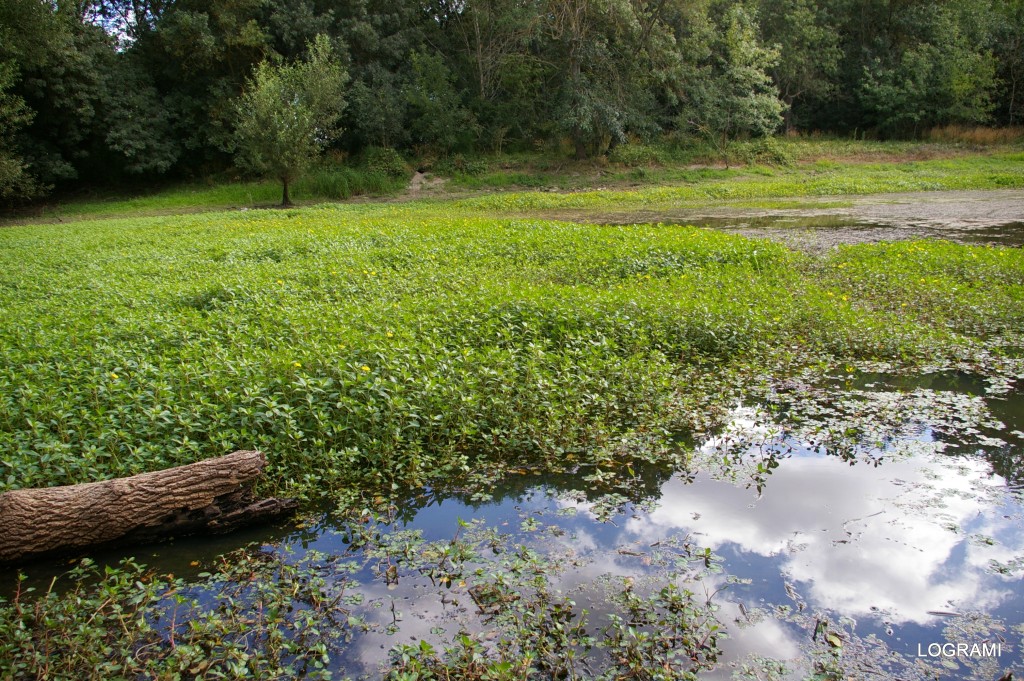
{"x": 895, "y": 549}
{"x": 892, "y": 550}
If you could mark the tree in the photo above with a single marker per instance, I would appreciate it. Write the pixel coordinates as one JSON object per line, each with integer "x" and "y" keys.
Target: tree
{"x": 947, "y": 77}
{"x": 808, "y": 47}
{"x": 1009, "y": 45}
{"x": 438, "y": 121}
{"x": 734, "y": 94}
{"x": 15, "y": 182}
{"x": 289, "y": 113}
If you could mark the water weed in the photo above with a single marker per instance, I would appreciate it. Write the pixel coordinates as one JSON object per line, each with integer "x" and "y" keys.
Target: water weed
{"x": 373, "y": 348}
{"x": 400, "y": 351}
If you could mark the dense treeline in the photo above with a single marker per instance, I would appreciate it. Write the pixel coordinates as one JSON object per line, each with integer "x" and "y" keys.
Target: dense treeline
{"x": 96, "y": 90}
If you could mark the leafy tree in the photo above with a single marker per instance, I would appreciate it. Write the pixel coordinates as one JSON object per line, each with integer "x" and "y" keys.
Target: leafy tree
{"x": 140, "y": 136}
{"x": 809, "y": 52}
{"x": 378, "y": 108}
{"x": 197, "y": 57}
{"x": 488, "y": 44}
{"x": 603, "y": 86}
{"x": 947, "y": 77}
{"x": 438, "y": 120}
{"x": 289, "y": 113}
{"x": 15, "y": 181}
{"x": 29, "y": 32}
{"x": 1009, "y": 52}
{"x": 734, "y": 94}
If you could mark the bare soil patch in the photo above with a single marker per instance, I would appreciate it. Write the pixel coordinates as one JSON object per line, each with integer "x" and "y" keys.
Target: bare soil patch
{"x": 995, "y": 217}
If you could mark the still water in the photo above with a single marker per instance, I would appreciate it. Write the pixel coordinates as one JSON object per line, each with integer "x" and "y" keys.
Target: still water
{"x": 887, "y": 511}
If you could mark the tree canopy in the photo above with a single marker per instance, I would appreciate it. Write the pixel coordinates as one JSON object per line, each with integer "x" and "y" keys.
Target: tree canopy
{"x": 288, "y": 114}
{"x": 106, "y": 90}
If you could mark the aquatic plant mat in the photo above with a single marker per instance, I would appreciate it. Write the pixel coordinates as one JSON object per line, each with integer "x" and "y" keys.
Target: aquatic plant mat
{"x": 526, "y": 448}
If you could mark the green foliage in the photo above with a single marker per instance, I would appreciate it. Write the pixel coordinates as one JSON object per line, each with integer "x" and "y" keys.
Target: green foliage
{"x": 636, "y": 154}
{"x": 946, "y": 80}
{"x": 764, "y": 151}
{"x": 378, "y": 109}
{"x": 109, "y": 90}
{"x": 809, "y": 53}
{"x": 15, "y": 182}
{"x": 258, "y": 619}
{"x": 385, "y": 161}
{"x": 459, "y": 164}
{"x": 734, "y": 94}
{"x": 396, "y": 345}
{"x": 341, "y": 183}
{"x": 289, "y": 114}
{"x": 438, "y": 122}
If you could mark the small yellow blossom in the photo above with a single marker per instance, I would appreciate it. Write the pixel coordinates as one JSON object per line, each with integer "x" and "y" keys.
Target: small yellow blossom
{"x": 365, "y": 368}
{"x": 390, "y": 334}
{"x": 113, "y": 375}
{"x": 297, "y": 365}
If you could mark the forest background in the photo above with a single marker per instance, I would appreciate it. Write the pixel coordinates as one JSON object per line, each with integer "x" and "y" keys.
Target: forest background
{"x": 96, "y": 93}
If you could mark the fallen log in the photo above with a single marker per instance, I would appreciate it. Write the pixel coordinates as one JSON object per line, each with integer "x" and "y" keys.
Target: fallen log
{"x": 207, "y": 496}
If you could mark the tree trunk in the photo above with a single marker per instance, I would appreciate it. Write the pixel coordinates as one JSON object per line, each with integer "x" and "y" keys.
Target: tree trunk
{"x": 206, "y": 496}
{"x": 285, "y": 200}
{"x": 580, "y": 145}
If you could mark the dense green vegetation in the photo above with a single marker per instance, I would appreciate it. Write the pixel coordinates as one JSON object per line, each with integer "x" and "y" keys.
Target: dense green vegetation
{"x": 368, "y": 348}
{"x": 99, "y": 91}
{"x": 371, "y": 349}
{"x": 639, "y": 176}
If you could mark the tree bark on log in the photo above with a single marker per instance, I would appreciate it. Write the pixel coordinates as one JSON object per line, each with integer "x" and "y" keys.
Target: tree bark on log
{"x": 207, "y": 496}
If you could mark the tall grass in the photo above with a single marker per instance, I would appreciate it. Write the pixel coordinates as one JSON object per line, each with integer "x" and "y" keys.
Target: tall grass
{"x": 976, "y": 135}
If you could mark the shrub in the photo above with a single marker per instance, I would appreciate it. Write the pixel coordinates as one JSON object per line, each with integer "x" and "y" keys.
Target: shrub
{"x": 637, "y": 154}
{"x": 385, "y": 161}
{"x": 458, "y": 164}
{"x": 764, "y": 151}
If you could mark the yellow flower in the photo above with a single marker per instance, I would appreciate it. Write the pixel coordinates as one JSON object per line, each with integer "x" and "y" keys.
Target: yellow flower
{"x": 280, "y": 281}
{"x": 365, "y": 368}
{"x": 297, "y": 365}
{"x": 113, "y": 375}
{"x": 390, "y": 335}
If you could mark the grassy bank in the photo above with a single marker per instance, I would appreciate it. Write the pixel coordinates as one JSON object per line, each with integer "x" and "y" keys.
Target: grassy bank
{"x": 634, "y": 175}
{"x": 335, "y": 184}
{"x": 821, "y": 178}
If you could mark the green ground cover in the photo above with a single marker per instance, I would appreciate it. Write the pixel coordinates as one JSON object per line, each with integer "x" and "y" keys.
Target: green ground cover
{"x": 648, "y": 177}
{"x": 373, "y": 348}
{"x": 369, "y": 348}
{"x": 820, "y": 178}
